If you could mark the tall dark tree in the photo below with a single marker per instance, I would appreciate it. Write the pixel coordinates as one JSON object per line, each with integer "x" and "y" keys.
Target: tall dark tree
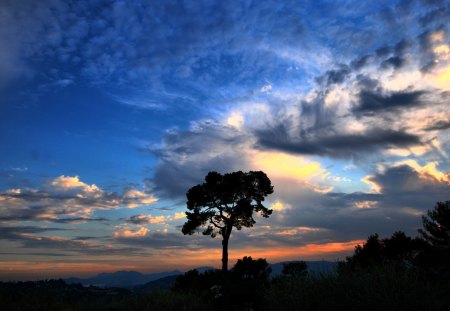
{"x": 436, "y": 226}
{"x": 436, "y": 234}
{"x": 226, "y": 201}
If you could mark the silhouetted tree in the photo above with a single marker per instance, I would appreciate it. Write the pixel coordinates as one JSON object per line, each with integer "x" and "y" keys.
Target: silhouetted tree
{"x": 226, "y": 201}
{"x": 249, "y": 280}
{"x": 436, "y": 233}
{"x": 436, "y": 226}
{"x": 247, "y": 268}
{"x": 369, "y": 253}
{"x": 296, "y": 269}
{"x": 399, "y": 249}
{"x": 193, "y": 281}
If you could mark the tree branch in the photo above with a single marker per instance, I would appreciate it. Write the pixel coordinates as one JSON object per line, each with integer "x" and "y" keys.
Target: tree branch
{"x": 216, "y": 225}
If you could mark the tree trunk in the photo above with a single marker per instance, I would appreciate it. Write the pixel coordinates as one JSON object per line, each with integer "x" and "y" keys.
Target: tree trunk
{"x": 226, "y": 305}
{"x": 225, "y": 254}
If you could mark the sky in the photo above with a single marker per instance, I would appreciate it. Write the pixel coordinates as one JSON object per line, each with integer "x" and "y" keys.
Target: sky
{"x": 111, "y": 110}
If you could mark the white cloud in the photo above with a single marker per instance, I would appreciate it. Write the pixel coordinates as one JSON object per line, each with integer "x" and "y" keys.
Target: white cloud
{"x": 67, "y": 183}
{"x": 128, "y": 233}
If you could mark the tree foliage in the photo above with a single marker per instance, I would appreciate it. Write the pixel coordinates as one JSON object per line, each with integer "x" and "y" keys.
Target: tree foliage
{"x": 248, "y": 268}
{"x": 226, "y": 201}
{"x": 399, "y": 249}
{"x": 249, "y": 282}
{"x": 436, "y": 226}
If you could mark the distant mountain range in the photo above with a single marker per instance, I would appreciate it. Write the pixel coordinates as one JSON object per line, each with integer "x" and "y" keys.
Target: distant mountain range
{"x": 147, "y": 282}
{"x": 126, "y": 279}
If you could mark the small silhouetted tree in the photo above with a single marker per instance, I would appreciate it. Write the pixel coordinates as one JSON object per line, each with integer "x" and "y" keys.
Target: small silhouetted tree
{"x": 226, "y": 201}
{"x": 248, "y": 268}
{"x": 295, "y": 269}
{"x": 249, "y": 280}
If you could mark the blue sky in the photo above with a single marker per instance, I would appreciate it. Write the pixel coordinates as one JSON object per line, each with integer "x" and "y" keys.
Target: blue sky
{"x": 111, "y": 110}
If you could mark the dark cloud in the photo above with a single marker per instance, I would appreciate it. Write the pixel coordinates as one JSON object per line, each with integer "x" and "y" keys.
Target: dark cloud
{"x": 406, "y": 186}
{"x": 140, "y": 219}
{"x": 395, "y": 62}
{"x": 383, "y": 51}
{"x": 36, "y": 254}
{"x": 439, "y": 125}
{"x": 403, "y": 46}
{"x": 371, "y": 103}
{"x": 335, "y": 76}
{"x": 360, "y": 62}
{"x": 137, "y": 220}
{"x": 428, "y": 67}
{"x": 335, "y": 145}
{"x": 74, "y": 220}
{"x": 170, "y": 241}
{"x": 366, "y": 83}
{"x": 11, "y": 233}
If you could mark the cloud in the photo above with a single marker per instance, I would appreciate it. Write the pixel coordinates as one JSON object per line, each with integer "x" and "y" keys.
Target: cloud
{"x": 337, "y": 76}
{"x": 169, "y": 241}
{"x": 439, "y": 125}
{"x": 67, "y": 183}
{"x": 395, "y": 62}
{"x": 133, "y": 198}
{"x": 127, "y": 233}
{"x": 179, "y": 215}
{"x": 340, "y": 145}
{"x": 146, "y": 219}
{"x": 29, "y": 238}
{"x": 370, "y": 102}
{"x": 405, "y": 191}
{"x": 9, "y": 232}
{"x": 187, "y": 156}
{"x": 68, "y": 200}
{"x": 116, "y": 45}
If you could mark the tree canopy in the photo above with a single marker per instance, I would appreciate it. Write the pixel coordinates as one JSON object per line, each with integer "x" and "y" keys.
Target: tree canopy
{"x": 226, "y": 201}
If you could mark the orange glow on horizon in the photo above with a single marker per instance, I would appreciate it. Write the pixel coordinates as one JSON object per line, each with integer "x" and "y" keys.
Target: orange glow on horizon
{"x": 173, "y": 259}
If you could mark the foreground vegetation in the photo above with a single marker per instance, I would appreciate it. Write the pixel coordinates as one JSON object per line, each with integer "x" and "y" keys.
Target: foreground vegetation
{"x": 383, "y": 288}
{"x": 395, "y": 273}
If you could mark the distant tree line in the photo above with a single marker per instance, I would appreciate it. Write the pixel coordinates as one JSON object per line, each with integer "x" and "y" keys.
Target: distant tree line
{"x": 429, "y": 252}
